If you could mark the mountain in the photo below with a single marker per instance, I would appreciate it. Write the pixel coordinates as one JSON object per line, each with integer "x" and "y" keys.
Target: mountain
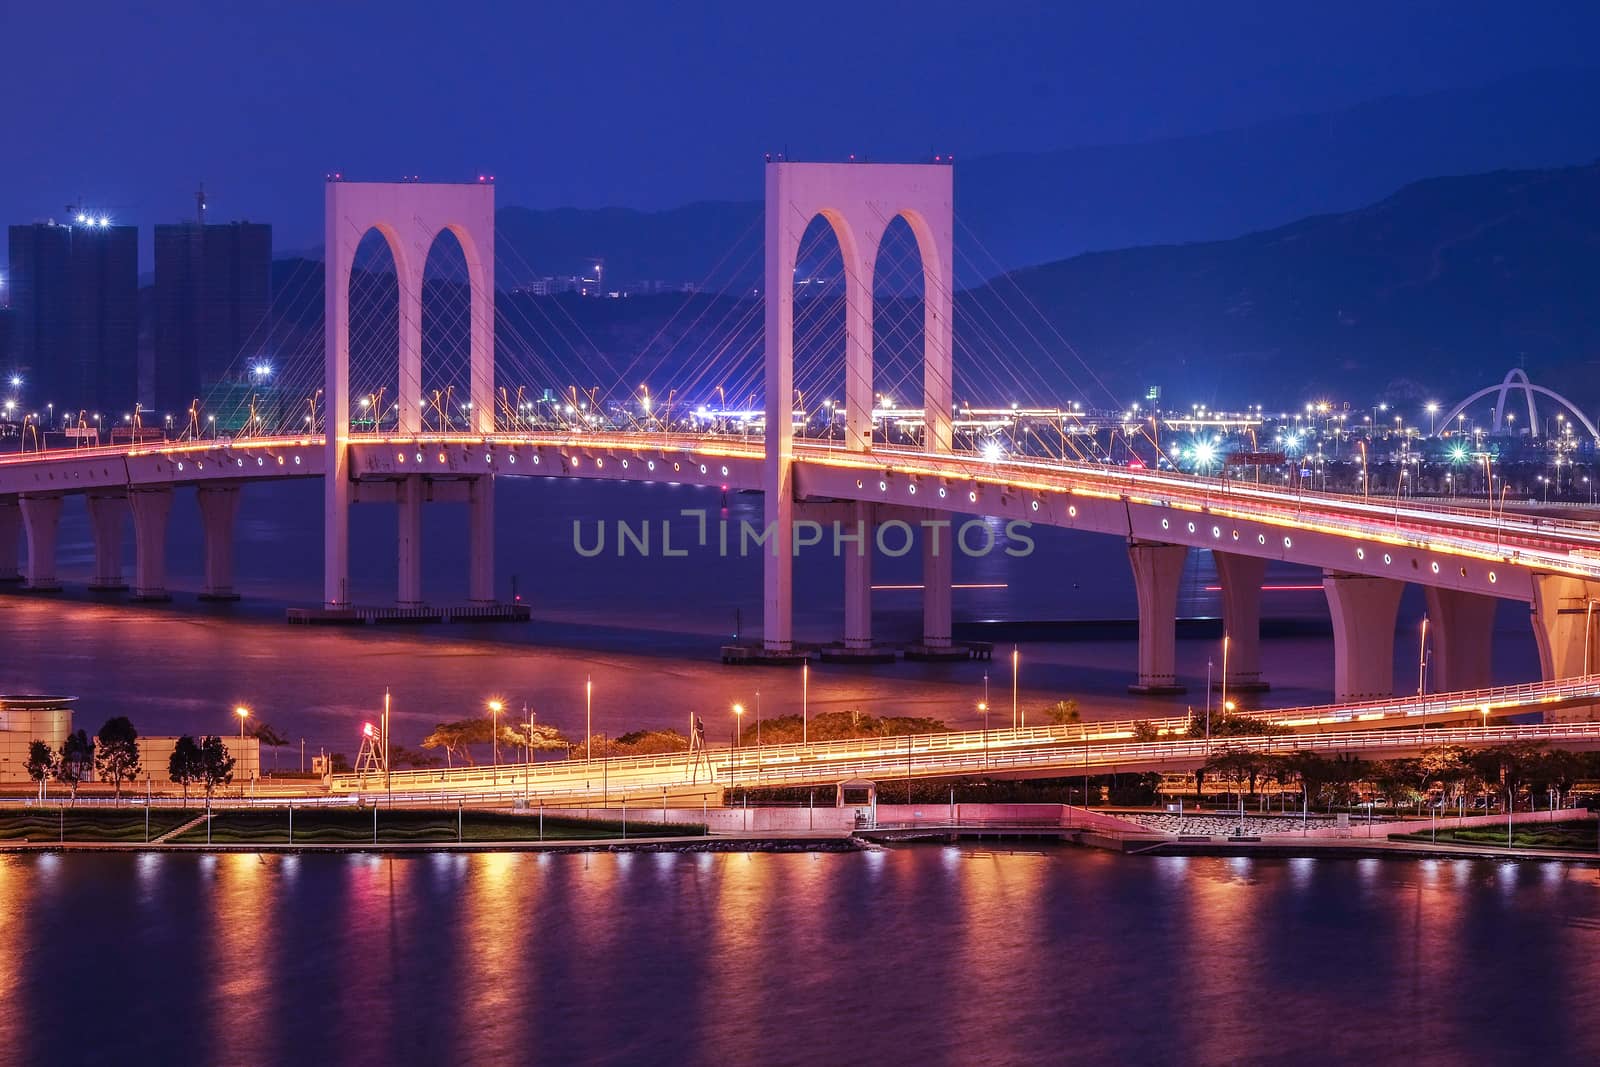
{"x": 1019, "y": 209}
{"x": 1426, "y": 294}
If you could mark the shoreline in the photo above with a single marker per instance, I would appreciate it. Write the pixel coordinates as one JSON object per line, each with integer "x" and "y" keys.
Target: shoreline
{"x": 855, "y": 842}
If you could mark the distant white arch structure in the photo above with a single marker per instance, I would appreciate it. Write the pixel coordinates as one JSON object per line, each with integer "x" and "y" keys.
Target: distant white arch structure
{"x": 1517, "y": 379}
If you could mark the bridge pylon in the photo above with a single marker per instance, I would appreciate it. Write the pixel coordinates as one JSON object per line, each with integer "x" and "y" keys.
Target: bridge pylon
{"x": 409, "y": 216}
{"x": 858, "y": 201}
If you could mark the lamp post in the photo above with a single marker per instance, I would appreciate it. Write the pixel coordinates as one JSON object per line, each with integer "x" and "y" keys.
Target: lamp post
{"x": 805, "y": 699}
{"x": 588, "y": 717}
{"x": 983, "y": 709}
{"x": 1016, "y": 661}
{"x": 243, "y": 713}
{"x": 738, "y": 723}
{"x": 495, "y": 708}
{"x": 1422, "y": 659}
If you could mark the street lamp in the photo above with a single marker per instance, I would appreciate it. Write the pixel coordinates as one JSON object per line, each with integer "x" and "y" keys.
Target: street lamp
{"x": 243, "y": 713}
{"x": 495, "y": 708}
{"x": 983, "y": 709}
{"x": 1016, "y": 663}
{"x": 738, "y": 723}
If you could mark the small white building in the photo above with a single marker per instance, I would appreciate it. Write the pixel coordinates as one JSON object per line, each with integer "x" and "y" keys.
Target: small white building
{"x": 28, "y": 718}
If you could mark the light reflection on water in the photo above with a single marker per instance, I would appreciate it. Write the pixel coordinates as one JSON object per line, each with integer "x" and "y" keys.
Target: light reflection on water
{"x": 929, "y": 955}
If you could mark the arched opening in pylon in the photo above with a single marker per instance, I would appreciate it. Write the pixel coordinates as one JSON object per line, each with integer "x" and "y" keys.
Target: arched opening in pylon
{"x": 820, "y": 284}
{"x": 446, "y": 336}
{"x": 898, "y": 309}
{"x": 374, "y": 335}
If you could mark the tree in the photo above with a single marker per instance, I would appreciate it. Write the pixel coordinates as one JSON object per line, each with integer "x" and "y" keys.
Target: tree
{"x": 75, "y": 761}
{"x": 532, "y": 736}
{"x": 41, "y": 761}
{"x": 216, "y": 766}
{"x": 456, "y": 738}
{"x": 117, "y": 752}
{"x": 266, "y": 735}
{"x": 1064, "y": 712}
{"x": 183, "y": 766}
{"x": 1145, "y": 730}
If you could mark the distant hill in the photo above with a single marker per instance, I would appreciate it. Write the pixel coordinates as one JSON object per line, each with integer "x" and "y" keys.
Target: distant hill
{"x": 1436, "y": 289}
{"x": 1021, "y": 209}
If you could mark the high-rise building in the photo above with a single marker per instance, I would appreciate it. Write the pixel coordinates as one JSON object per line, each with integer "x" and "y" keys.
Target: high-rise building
{"x": 75, "y": 300}
{"x": 212, "y": 293}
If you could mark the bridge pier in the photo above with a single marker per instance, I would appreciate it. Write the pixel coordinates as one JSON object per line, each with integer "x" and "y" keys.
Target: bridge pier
{"x": 1240, "y": 578}
{"x": 1461, "y": 628}
{"x": 219, "y": 508}
{"x": 938, "y": 558}
{"x": 10, "y": 539}
{"x": 858, "y": 581}
{"x": 150, "y": 510}
{"x": 408, "y": 507}
{"x": 480, "y": 535}
{"x": 1564, "y": 615}
{"x": 108, "y": 512}
{"x": 41, "y": 521}
{"x": 1364, "y": 610}
{"x": 1157, "y": 570}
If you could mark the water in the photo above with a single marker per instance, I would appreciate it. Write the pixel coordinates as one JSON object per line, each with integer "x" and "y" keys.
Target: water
{"x": 927, "y": 955}
{"x": 645, "y": 629}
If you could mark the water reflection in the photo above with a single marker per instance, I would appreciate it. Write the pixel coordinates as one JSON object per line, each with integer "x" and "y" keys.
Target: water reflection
{"x": 932, "y": 955}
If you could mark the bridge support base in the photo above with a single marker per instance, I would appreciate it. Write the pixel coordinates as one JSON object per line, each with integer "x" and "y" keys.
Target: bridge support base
{"x": 1240, "y": 578}
{"x": 219, "y": 507}
{"x": 107, "y": 515}
{"x": 10, "y": 540}
{"x": 150, "y": 510}
{"x": 1462, "y": 636}
{"x": 1157, "y": 570}
{"x": 480, "y": 534}
{"x": 408, "y": 508}
{"x": 41, "y": 520}
{"x": 1364, "y": 611}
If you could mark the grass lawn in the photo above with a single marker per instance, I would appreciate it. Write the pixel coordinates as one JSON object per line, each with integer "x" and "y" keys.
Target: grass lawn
{"x": 350, "y": 826}
{"x": 89, "y": 824}
{"x": 1579, "y": 835}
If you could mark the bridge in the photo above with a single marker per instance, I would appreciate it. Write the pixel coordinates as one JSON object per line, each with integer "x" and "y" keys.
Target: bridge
{"x": 1372, "y": 731}
{"x": 848, "y": 491}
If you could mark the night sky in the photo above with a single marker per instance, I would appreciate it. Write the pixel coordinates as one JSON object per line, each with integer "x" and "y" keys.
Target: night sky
{"x": 650, "y": 105}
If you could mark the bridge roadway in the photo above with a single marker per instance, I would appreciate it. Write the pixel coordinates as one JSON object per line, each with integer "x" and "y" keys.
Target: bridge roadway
{"x": 1372, "y": 730}
{"x": 1367, "y": 549}
{"x": 1047, "y": 491}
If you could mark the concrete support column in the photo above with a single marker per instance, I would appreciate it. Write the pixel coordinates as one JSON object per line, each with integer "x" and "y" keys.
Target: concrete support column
{"x": 1157, "y": 570}
{"x": 150, "y": 510}
{"x": 10, "y": 539}
{"x": 219, "y": 508}
{"x": 108, "y": 514}
{"x": 480, "y": 540}
{"x": 1364, "y": 611}
{"x": 858, "y": 579}
{"x": 408, "y": 494}
{"x": 1461, "y": 632}
{"x": 938, "y": 558}
{"x": 1566, "y": 625}
{"x": 41, "y": 520}
{"x": 1240, "y": 578}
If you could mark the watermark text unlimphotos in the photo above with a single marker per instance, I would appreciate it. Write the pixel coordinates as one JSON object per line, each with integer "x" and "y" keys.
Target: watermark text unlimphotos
{"x": 742, "y": 537}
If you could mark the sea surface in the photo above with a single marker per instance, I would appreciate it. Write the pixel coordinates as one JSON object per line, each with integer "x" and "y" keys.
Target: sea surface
{"x": 927, "y": 955}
